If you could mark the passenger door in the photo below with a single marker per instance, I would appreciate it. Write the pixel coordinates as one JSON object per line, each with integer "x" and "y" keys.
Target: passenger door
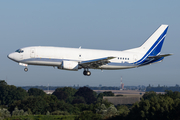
{"x": 32, "y": 53}
{"x": 135, "y": 58}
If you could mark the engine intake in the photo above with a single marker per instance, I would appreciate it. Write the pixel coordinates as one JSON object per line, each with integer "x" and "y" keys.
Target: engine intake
{"x": 69, "y": 65}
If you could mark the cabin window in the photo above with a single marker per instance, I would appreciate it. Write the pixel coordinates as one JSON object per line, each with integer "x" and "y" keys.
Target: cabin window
{"x": 79, "y": 55}
{"x": 123, "y": 58}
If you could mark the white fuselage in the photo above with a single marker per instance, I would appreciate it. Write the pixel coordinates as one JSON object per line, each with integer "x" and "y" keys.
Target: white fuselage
{"x": 53, "y": 56}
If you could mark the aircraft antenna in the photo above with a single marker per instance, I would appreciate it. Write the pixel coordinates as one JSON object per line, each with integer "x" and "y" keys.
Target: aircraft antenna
{"x": 122, "y": 84}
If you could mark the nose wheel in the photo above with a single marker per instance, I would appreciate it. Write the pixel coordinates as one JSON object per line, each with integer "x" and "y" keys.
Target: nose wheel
{"x": 86, "y": 72}
{"x": 25, "y": 69}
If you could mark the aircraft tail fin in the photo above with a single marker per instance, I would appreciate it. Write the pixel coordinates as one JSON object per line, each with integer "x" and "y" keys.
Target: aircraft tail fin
{"x": 153, "y": 45}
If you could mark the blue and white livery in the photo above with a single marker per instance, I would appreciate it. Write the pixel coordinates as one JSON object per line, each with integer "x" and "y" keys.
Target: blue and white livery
{"x": 77, "y": 58}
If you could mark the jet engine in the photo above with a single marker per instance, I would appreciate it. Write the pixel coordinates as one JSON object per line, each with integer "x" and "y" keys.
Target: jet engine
{"x": 69, "y": 65}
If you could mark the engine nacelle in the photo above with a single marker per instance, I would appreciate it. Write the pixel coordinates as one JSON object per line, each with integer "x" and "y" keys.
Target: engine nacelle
{"x": 69, "y": 65}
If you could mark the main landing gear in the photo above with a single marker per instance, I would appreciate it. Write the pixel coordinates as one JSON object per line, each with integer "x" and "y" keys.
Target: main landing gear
{"x": 26, "y": 69}
{"x": 86, "y": 72}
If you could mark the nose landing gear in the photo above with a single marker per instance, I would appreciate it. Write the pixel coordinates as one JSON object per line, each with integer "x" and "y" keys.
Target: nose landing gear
{"x": 25, "y": 65}
{"x": 26, "y": 69}
{"x": 86, "y": 72}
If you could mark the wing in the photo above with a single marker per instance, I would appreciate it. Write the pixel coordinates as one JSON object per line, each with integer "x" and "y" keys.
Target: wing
{"x": 95, "y": 63}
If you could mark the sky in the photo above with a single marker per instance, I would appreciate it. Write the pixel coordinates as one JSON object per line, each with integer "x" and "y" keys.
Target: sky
{"x": 103, "y": 24}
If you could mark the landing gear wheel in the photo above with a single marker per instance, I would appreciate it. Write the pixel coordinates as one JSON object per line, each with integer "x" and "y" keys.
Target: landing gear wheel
{"x": 84, "y": 72}
{"x": 87, "y": 73}
{"x": 25, "y": 69}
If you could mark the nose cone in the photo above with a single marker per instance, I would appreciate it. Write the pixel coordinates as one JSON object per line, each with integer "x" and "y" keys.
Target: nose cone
{"x": 10, "y": 56}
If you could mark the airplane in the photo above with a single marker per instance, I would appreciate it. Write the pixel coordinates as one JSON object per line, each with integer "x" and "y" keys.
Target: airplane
{"x": 77, "y": 58}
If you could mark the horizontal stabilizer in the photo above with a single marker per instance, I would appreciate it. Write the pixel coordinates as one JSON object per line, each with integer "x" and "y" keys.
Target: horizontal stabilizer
{"x": 159, "y": 56}
{"x": 154, "y": 59}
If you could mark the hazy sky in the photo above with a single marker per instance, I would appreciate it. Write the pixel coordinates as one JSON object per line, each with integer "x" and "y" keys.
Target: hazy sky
{"x": 103, "y": 24}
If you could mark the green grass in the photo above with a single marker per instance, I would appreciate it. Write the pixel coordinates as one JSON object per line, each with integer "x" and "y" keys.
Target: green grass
{"x": 43, "y": 117}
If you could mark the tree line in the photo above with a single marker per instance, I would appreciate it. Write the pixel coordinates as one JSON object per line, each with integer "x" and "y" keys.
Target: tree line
{"x": 75, "y": 87}
{"x": 64, "y": 101}
{"x": 163, "y": 88}
{"x": 85, "y": 104}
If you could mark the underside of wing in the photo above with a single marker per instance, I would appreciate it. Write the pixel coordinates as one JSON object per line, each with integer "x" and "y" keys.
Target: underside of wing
{"x": 95, "y": 63}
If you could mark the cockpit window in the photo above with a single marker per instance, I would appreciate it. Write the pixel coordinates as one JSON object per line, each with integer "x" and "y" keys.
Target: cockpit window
{"x": 19, "y": 51}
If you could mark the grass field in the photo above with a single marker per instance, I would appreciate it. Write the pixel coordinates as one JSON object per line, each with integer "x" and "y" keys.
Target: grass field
{"x": 122, "y": 92}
